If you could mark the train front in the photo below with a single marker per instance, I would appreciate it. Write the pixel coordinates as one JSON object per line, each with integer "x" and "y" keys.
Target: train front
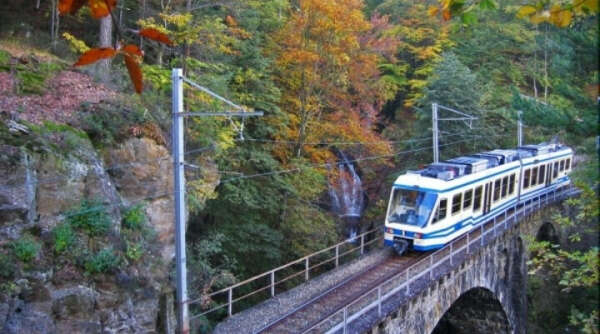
{"x": 409, "y": 212}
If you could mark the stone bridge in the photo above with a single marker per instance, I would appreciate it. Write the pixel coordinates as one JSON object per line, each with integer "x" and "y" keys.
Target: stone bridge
{"x": 484, "y": 291}
{"x": 476, "y": 284}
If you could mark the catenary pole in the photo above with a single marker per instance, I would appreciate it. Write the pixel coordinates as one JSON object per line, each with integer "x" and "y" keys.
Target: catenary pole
{"x": 183, "y": 320}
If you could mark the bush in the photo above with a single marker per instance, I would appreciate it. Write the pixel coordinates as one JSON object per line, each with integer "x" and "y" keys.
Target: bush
{"x": 7, "y": 266}
{"x": 134, "y": 251}
{"x": 108, "y": 123}
{"x": 64, "y": 237}
{"x": 134, "y": 217}
{"x": 26, "y": 248}
{"x": 103, "y": 261}
{"x": 91, "y": 217}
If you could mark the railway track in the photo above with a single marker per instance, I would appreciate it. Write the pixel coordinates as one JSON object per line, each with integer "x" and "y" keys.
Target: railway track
{"x": 334, "y": 299}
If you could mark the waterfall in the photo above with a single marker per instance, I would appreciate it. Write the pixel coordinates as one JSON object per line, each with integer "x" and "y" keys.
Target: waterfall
{"x": 347, "y": 195}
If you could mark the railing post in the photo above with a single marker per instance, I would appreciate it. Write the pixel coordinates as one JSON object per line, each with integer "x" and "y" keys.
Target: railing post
{"x": 345, "y": 319}
{"x": 306, "y": 268}
{"x": 273, "y": 284}
{"x": 431, "y": 267}
{"x": 407, "y": 282}
{"x": 379, "y": 300}
{"x": 481, "y": 235}
{"x": 230, "y": 301}
{"x": 451, "y": 251}
{"x": 362, "y": 244}
{"x": 468, "y": 241}
{"x": 337, "y": 255}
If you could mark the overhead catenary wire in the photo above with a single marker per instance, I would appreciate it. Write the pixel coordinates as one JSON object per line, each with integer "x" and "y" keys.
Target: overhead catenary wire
{"x": 324, "y": 165}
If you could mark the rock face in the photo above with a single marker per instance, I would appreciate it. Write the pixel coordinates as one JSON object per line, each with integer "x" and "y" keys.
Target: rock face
{"x": 38, "y": 189}
{"x": 141, "y": 169}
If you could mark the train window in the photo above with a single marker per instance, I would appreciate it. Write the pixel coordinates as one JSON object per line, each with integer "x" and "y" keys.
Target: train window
{"x": 555, "y": 171}
{"x": 541, "y": 176}
{"x": 477, "y": 202}
{"x": 568, "y": 164}
{"x": 534, "y": 173}
{"x": 441, "y": 211}
{"x": 504, "y": 186}
{"x": 468, "y": 199}
{"x": 526, "y": 179}
{"x": 497, "y": 185}
{"x": 562, "y": 165}
{"x": 456, "y": 200}
{"x": 511, "y": 184}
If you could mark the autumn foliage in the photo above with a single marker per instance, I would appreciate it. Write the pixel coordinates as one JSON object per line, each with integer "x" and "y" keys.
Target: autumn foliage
{"x": 131, "y": 53}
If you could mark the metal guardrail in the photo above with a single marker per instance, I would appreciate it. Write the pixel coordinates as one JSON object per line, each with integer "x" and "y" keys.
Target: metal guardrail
{"x": 274, "y": 280}
{"x": 475, "y": 238}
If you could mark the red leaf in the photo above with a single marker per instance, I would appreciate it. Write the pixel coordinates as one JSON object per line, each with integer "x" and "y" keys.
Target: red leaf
{"x": 155, "y": 35}
{"x": 132, "y": 50}
{"x": 101, "y": 8}
{"x": 70, "y": 6}
{"x": 135, "y": 73}
{"x": 94, "y": 55}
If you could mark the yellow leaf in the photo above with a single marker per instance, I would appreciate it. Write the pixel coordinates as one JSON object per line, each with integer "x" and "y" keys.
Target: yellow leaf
{"x": 446, "y": 14}
{"x": 565, "y": 18}
{"x": 538, "y": 18}
{"x": 433, "y": 10}
{"x": 592, "y": 5}
{"x": 525, "y": 11}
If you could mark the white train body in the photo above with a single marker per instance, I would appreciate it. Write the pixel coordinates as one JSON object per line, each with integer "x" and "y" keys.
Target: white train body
{"x": 431, "y": 207}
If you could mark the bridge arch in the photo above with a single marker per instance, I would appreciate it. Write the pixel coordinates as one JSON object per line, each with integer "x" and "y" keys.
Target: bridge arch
{"x": 477, "y": 310}
{"x": 547, "y": 232}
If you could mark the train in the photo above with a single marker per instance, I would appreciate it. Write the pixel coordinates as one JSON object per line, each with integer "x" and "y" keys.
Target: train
{"x": 432, "y": 206}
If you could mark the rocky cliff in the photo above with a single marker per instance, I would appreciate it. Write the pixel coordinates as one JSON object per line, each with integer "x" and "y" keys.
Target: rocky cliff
{"x": 86, "y": 235}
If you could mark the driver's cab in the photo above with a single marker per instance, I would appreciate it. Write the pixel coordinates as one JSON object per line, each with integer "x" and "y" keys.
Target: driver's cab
{"x": 410, "y": 207}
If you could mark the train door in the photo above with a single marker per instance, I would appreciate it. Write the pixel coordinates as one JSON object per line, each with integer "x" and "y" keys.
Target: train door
{"x": 487, "y": 198}
{"x": 548, "y": 174}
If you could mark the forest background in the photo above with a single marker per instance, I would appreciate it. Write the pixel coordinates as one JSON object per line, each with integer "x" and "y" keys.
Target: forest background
{"x": 337, "y": 78}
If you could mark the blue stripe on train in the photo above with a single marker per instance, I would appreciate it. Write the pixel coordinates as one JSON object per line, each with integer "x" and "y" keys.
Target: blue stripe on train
{"x": 470, "y": 221}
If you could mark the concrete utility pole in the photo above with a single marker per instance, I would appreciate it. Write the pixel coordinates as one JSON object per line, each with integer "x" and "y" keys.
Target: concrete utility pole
{"x": 434, "y": 126}
{"x": 183, "y": 323}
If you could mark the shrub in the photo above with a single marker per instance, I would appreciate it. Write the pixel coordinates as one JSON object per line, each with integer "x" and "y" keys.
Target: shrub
{"x": 7, "y": 266}
{"x": 134, "y": 217}
{"x": 103, "y": 261}
{"x": 134, "y": 251}
{"x": 64, "y": 237}
{"x": 91, "y": 217}
{"x": 26, "y": 248}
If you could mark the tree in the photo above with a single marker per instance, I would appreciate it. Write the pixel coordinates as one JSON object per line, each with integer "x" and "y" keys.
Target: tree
{"x": 326, "y": 70}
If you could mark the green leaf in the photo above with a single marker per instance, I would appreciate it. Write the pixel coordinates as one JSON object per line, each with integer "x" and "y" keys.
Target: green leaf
{"x": 468, "y": 18}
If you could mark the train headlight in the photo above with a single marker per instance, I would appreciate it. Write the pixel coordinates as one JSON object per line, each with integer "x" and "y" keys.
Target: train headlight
{"x": 418, "y": 235}
{"x": 389, "y": 230}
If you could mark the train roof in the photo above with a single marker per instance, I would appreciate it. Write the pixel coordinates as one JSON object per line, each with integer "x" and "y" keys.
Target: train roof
{"x": 438, "y": 175}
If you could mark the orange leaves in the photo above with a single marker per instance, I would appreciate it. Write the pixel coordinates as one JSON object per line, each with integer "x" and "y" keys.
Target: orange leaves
{"x": 70, "y": 6}
{"x": 155, "y": 35}
{"x": 133, "y": 56}
{"x": 135, "y": 73}
{"x": 94, "y": 55}
{"x": 99, "y": 8}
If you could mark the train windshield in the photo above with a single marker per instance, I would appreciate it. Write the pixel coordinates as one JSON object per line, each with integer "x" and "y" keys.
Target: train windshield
{"x": 411, "y": 207}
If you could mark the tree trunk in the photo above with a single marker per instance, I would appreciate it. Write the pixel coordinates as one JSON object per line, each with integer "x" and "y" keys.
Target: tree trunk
{"x": 535, "y": 64}
{"x": 187, "y": 52}
{"x": 546, "y": 65}
{"x": 54, "y": 24}
{"x": 105, "y": 41}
